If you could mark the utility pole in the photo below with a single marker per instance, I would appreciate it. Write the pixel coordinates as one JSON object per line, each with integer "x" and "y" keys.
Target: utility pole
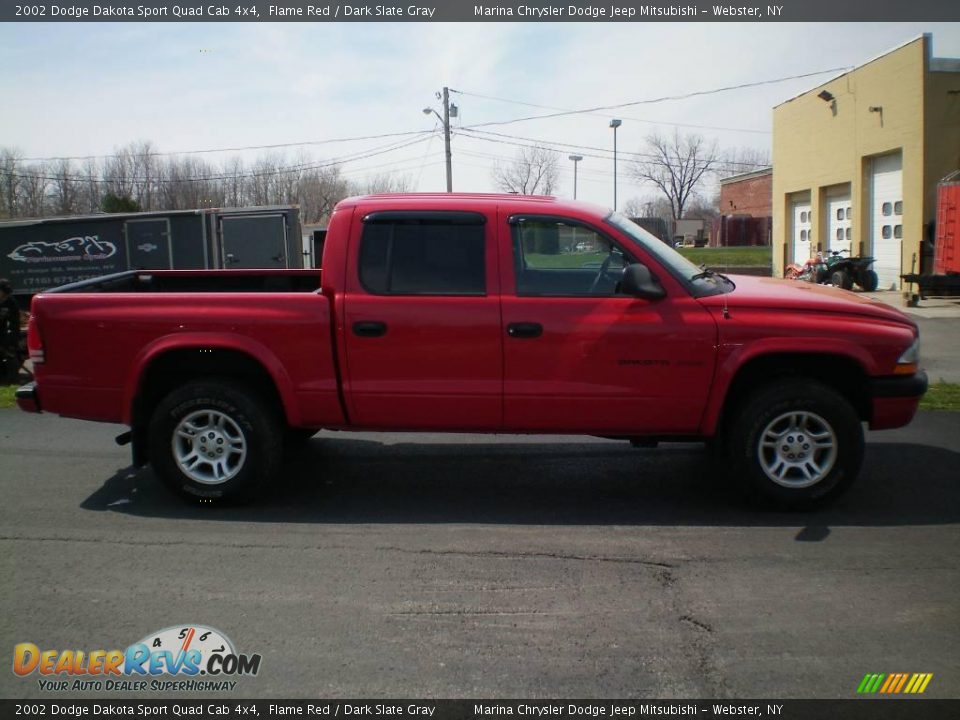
{"x": 615, "y": 123}
{"x": 446, "y": 137}
{"x": 576, "y": 159}
{"x": 445, "y": 119}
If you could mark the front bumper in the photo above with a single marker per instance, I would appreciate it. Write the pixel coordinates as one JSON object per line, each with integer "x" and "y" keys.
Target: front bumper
{"x": 895, "y": 399}
{"x": 27, "y": 398}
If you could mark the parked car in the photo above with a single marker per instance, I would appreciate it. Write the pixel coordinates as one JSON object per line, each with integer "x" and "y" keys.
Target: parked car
{"x": 458, "y": 313}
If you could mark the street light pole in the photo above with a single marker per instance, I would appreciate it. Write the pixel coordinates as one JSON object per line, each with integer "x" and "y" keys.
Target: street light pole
{"x": 615, "y": 123}
{"x": 445, "y": 119}
{"x": 576, "y": 159}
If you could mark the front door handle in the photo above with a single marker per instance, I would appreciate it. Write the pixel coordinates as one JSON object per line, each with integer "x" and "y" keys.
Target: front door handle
{"x": 370, "y": 328}
{"x": 525, "y": 330}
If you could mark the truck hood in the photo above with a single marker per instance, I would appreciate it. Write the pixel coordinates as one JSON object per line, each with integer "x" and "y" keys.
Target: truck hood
{"x": 794, "y": 295}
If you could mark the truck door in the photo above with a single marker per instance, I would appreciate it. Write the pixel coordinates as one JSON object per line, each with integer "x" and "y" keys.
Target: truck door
{"x": 253, "y": 241}
{"x": 422, "y": 322}
{"x": 578, "y": 357}
{"x": 148, "y": 244}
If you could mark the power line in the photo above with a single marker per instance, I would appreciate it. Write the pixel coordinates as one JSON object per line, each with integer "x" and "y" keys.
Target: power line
{"x": 276, "y": 171}
{"x": 652, "y": 101}
{"x": 273, "y": 146}
{"x": 620, "y": 115}
{"x": 560, "y": 113}
{"x": 557, "y": 146}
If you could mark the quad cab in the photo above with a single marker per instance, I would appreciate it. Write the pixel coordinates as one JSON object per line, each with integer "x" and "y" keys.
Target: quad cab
{"x": 477, "y": 313}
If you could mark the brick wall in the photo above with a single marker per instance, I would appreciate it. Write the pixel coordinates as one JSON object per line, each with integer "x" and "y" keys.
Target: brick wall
{"x": 751, "y": 196}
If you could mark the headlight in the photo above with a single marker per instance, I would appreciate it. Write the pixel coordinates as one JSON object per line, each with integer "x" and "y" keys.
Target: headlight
{"x": 907, "y": 363}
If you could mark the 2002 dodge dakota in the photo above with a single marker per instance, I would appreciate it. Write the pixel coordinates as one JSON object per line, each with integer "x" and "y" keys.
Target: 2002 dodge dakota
{"x": 477, "y": 313}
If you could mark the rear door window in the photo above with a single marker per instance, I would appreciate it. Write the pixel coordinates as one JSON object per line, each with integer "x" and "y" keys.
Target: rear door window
{"x": 433, "y": 253}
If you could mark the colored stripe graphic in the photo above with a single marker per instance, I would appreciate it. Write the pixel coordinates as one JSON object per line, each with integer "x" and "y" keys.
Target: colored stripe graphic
{"x": 894, "y": 683}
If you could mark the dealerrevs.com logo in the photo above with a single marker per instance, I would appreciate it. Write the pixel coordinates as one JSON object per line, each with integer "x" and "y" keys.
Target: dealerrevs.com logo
{"x": 178, "y": 658}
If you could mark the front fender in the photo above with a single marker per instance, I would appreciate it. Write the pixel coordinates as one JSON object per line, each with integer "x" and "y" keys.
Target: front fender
{"x": 731, "y": 357}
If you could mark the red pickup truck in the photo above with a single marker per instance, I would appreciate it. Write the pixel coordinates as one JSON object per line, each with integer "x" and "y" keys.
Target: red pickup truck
{"x": 477, "y": 313}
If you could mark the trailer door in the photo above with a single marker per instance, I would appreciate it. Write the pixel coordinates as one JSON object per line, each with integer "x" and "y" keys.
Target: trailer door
{"x": 148, "y": 244}
{"x": 253, "y": 241}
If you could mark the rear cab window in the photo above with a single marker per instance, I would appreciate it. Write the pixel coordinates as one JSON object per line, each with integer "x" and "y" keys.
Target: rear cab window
{"x": 423, "y": 253}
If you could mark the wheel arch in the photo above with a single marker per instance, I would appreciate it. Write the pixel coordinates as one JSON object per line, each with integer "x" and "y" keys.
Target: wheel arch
{"x": 172, "y": 361}
{"x": 845, "y": 374}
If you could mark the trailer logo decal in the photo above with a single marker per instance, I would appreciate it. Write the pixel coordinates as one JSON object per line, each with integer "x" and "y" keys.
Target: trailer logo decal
{"x": 147, "y": 247}
{"x": 87, "y": 248}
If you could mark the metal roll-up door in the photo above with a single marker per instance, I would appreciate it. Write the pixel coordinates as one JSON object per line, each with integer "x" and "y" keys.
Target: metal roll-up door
{"x": 886, "y": 218}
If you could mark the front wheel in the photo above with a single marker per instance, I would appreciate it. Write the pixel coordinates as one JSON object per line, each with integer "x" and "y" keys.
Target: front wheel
{"x": 795, "y": 445}
{"x": 213, "y": 440}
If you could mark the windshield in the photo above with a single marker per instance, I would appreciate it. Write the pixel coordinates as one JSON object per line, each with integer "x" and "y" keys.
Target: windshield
{"x": 699, "y": 283}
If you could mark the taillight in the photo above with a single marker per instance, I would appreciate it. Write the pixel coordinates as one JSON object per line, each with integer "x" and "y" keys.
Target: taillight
{"x": 35, "y": 342}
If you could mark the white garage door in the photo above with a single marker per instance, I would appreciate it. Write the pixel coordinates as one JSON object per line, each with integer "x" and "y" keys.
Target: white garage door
{"x": 886, "y": 218}
{"x": 838, "y": 223}
{"x": 801, "y": 231}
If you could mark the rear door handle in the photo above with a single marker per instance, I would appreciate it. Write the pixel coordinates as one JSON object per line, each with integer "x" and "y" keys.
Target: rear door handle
{"x": 525, "y": 330}
{"x": 370, "y": 328}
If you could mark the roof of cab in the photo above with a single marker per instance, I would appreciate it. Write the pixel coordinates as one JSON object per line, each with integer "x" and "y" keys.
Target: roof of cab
{"x": 535, "y": 203}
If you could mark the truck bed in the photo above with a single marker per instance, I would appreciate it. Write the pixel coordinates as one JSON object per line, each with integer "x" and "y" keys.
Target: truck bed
{"x": 106, "y": 334}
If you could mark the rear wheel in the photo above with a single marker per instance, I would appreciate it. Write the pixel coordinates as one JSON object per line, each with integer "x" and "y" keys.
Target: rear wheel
{"x": 215, "y": 440}
{"x": 841, "y": 279}
{"x": 795, "y": 445}
{"x": 869, "y": 281}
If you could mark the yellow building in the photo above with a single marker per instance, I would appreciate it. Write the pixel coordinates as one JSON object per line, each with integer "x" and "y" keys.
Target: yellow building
{"x": 856, "y": 160}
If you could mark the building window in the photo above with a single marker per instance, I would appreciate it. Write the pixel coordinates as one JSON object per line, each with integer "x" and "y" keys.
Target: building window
{"x": 898, "y": 207}
{"x": 898, "y": 231}
{"x": 803, "y": 236}
{"x": 839, "y": 233}
{"x": 886, "y": 232}
{"x": 839, "y": 213}
{"x": 849, "y": 213}
{"x": 847, "y": 233}
{"x": 886, "y": 209}
{"x": 803, "y": 216}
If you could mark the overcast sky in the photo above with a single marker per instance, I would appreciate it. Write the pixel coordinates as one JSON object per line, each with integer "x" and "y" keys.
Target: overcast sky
{"x": 83, "y": 89}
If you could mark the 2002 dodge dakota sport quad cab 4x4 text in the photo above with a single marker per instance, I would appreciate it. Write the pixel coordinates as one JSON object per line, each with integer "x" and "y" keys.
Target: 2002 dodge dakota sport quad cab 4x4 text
{"x": 477, "y": 313}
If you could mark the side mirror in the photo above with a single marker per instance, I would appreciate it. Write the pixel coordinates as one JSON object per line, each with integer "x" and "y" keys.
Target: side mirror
{"x": 638, "y": 281}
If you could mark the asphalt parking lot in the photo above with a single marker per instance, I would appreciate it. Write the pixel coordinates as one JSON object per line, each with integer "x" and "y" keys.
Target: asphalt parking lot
{"x": 471, "y": 566}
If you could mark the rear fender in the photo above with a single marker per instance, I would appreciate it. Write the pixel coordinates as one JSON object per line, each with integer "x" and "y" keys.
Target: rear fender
{"x": 215, "y": 341}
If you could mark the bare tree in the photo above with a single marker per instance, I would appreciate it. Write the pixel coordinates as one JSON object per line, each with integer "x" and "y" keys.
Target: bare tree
{"x": 735, "y": 161}
{"x": 701, "y": 207}
{"x": 9, "y": 182}
{"x": 34, "y": 182}
{"x": 533, "y": 172}
{"x": 320, "y": 189}
{"x": 89, "y": 193}
{"x": 64, "y": 195}
{"x": 382, "y": 183}
{"x": 647, "y": 207}
{"x": 675, "y": 165}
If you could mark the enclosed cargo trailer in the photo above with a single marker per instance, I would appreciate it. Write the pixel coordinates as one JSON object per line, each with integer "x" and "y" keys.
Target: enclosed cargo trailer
{"x": 38, "y": 254}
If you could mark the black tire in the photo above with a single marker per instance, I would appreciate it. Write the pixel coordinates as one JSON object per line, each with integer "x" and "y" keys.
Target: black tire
{"x": 841, "y": 279}
{"x": 296, "y": 438}
{"x": 869, "y": 281}
{"x": 823, "y": 409}
{"x": 251, "y": 433}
